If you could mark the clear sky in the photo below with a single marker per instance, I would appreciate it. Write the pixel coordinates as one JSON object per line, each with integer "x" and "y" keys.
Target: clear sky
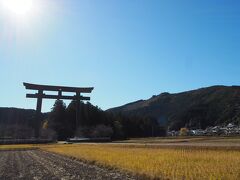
{"x": 127, "y": 49}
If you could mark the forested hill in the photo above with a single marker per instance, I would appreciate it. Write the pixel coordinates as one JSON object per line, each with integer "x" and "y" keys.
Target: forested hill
{"x": 11, "y": 116}
{"x": 196, "y": 109}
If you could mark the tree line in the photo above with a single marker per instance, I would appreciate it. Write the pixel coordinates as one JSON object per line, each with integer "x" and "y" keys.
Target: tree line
{"x": 94, "y": 122}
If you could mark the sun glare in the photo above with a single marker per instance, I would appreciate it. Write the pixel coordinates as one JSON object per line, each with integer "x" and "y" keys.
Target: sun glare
{"x": 18, "y": 7}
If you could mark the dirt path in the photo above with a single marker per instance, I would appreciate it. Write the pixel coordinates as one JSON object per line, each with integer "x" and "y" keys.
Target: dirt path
{"x": 36, "y": 164}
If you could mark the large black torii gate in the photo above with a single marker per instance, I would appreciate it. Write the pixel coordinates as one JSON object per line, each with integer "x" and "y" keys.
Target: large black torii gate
{"x": 40, "y": 95}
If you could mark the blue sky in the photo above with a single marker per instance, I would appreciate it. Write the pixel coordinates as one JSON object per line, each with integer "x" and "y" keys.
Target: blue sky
{"x": 127, "y": 49}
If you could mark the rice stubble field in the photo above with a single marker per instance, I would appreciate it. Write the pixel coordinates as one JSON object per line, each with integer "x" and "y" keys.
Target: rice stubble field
{"x": 162, "y": 163}
{"x": 156, "y": 158}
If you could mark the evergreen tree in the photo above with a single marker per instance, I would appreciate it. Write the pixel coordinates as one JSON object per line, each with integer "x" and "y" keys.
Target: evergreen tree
{"x": 94, "y": 122}
{"x": 71, "y": 119}
{"x": 57, "y": 119}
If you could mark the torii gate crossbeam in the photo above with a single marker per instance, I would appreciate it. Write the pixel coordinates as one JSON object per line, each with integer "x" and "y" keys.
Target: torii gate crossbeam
{"x": 40, "y": 95}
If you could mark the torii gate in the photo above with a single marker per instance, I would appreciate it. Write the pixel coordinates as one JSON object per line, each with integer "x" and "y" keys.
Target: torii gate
{"x": 40, "y": 95}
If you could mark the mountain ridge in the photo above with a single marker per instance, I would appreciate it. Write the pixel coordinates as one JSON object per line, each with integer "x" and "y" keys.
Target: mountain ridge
{"x": 198, "y": 108}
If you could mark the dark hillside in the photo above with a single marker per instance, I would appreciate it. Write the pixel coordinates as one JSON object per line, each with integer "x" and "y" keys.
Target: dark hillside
{"x": 17, "y": 123}
{"x": 197, "y": 108}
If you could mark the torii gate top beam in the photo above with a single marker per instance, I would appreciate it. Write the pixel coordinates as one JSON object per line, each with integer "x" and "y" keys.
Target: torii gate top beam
{"x": 40, "y": 95}
{"x": 58, "y": 88}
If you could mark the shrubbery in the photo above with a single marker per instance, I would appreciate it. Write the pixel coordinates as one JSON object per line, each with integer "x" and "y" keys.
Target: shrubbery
{"x": 94, "y": 131}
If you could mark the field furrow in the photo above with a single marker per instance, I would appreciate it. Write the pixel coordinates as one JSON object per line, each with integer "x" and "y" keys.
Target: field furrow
{"x": 36, "y": 164}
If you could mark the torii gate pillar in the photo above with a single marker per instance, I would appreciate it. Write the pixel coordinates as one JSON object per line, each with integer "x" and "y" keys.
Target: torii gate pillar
{"x": 77, "y": 109}
{"x": 40, "y": 95}
{"x": 38, "y": 113}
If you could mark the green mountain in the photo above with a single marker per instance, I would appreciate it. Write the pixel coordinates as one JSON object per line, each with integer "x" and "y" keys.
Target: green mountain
{"x": 216, "y": 105}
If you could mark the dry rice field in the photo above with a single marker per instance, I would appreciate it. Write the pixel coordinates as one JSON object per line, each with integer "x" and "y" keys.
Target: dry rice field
{"x": 158, "y": 158}
{"x": 161, "y": 162}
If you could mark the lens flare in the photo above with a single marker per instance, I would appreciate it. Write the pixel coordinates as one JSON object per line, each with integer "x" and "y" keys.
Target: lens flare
{"x": 18, "y": 7}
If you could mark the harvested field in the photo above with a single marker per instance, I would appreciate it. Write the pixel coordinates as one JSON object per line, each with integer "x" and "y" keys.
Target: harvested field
{"x": 155, "y": 158}
{"x": 223, "y": 143}
{"x": 36, "y": 164}
{"x": 195, "y": 140}
{"x": 158, "y": 162}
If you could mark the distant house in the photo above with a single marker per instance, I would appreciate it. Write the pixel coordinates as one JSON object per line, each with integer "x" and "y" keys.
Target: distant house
{"x": 173, "y": 133}
{"x": 230, "y": 129}
{"x": 230, "y": 126}
{"x": 197, "y": 132}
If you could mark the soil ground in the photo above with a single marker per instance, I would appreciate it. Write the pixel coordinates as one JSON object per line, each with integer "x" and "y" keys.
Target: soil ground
{"x": 37, "y": 164}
